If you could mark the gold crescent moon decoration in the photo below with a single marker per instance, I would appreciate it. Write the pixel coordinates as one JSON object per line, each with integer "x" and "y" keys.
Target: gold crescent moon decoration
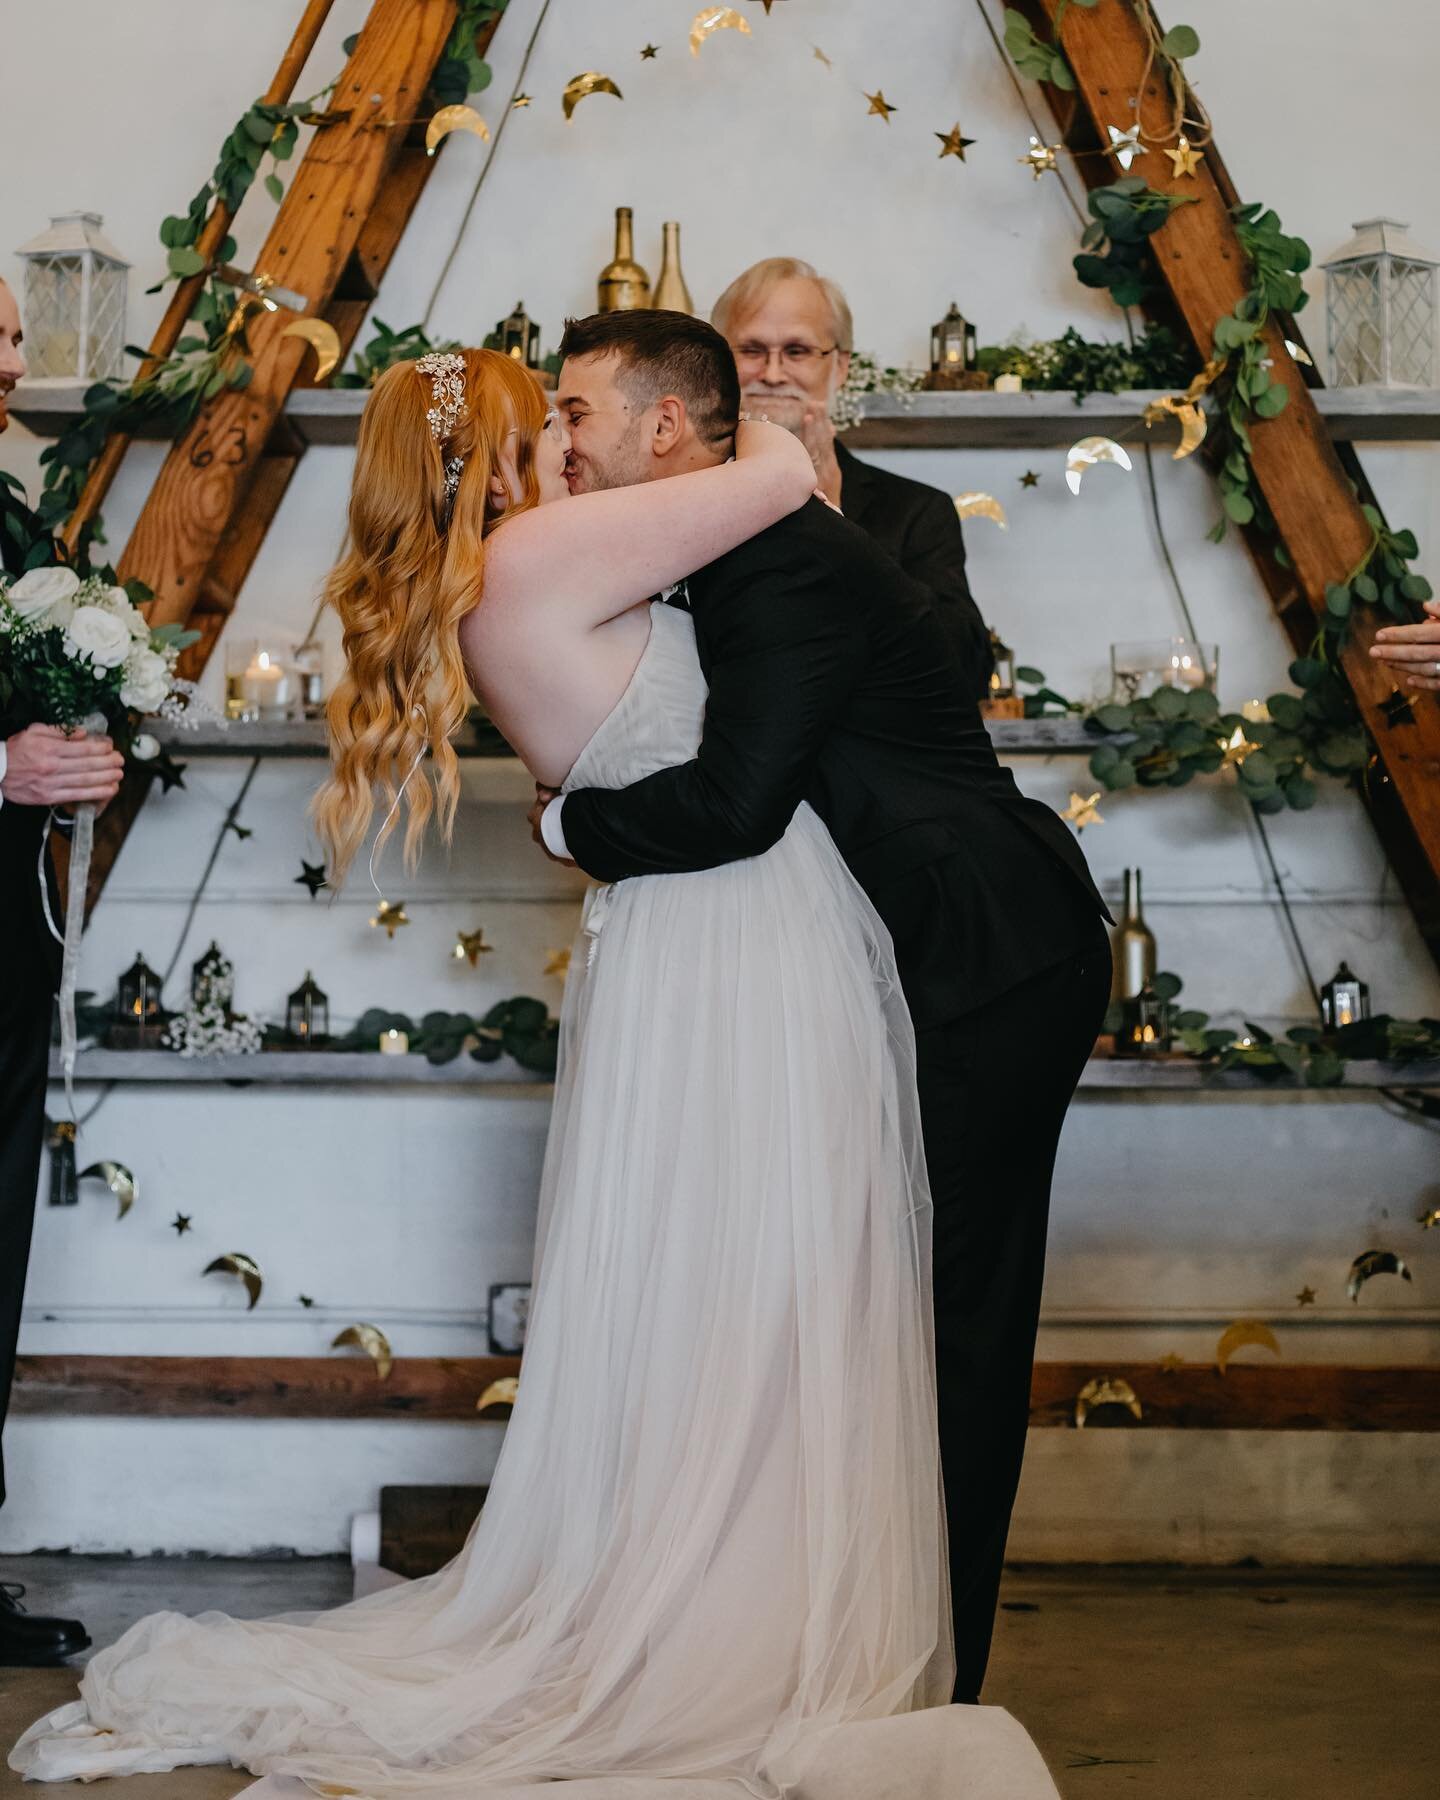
{"x": 1105, "y": 1391}
{"x": 235, "y": 1262}
{"x": 1374, "y": 1262}
{"x": 322, "y": 338}
{"x": 1089, "y": 451}
{"x": 1193, "y": 424}
{"x": 1428, "y": 1220}
{"x": 121, "y": 1183}
{"x": 711, "y": 19}
{"x": 579, "y": 86}
{"x": 373, "y": 1341}
{"x": 1299, "y": 354}
{"x": 453, "y": 118}
{"x": 499, "y": 1393}
{"x": 981, "y": 506}
{"x": 1243, "y": 1331}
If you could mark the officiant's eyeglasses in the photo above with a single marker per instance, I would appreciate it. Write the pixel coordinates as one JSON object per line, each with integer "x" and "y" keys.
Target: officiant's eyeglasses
{"x": 792, "y": 356}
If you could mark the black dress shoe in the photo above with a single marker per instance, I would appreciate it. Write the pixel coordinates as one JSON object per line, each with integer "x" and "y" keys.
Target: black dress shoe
{"x": 34, "y": 1639}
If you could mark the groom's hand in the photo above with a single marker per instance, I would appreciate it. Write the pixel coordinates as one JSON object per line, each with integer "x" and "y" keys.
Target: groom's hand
{"x": 543, "y": 796}
{"x": 46, "y": 765}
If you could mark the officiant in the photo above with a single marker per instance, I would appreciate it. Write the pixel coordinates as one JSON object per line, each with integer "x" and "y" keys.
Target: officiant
{"x": 792, "y": 334}
{"x": 40, "y": 767}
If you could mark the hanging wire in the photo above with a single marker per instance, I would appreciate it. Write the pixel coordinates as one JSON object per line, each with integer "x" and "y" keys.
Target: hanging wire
{"x": 1024, "y": 100}
{"x": 486, "y": 166}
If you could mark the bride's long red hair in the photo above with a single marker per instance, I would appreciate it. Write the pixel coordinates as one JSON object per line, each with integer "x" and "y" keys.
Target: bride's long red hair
{"x": 412, "y": 567}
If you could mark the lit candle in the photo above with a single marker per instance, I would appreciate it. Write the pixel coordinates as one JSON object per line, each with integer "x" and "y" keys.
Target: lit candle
{"x": 393, "y": 1042}
{"x": 1256, "y": 711}
{"x": 267, "y": 685}
{"x": 1007, "y": 384}
{"x": 1184, "y": 671}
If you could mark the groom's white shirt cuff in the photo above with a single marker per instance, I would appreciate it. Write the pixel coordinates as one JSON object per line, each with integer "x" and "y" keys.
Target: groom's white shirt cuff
{"x": 553, "y": 831}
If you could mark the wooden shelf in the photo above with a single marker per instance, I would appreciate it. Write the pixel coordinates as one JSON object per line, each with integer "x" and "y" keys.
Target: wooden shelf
{"x": 320, "y": 1068}
{"x": 307, "y": 738}
{"x": 1025, "y": 421}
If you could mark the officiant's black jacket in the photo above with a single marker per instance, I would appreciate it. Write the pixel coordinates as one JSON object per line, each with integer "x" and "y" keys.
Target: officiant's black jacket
{"x": 831, "y": 681}
{"x": 918, "y": 527}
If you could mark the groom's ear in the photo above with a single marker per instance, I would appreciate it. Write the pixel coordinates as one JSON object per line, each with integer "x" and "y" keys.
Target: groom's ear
{"x": 671, "y": 427}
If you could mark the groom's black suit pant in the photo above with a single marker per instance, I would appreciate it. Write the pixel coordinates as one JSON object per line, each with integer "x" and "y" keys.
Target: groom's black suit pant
{"x": 994, "y": 1085}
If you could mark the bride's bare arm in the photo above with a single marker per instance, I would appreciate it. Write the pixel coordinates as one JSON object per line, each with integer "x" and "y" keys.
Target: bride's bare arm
{"x": 597, "y": 555}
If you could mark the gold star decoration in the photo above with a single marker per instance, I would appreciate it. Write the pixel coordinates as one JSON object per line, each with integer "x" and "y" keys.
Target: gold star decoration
{"x": 519, "y": 101}
{"x": 820, "y": 56}
{"x": 306, "y": 1300}
{"x": 880, "y": 105}
{"x": 649, "y": 53}
{"x": 1040, "y": 158}
{"x": 311, "y": 876}
{"x": 181, "y": 1223}
{"x": 1306, "y": 1297}
{"x": 1397, "y": 710}
{"x": 1125, "y": 146}
{"x": 558, "y": 963}
{"x": 1184, "y": 158}
{"x": 1029, "y": 479}
{"x": 390, "y": 914}
{"x": 1429, "y": 1219}
{"x": 767, "y": 4}
{"x": 953, "y": 144}
{"x": 1169, "y": 1362}
{"x": 1237, "y": 748}
{"x": 471, "y": 946}
{"x": 1082, "y": 812}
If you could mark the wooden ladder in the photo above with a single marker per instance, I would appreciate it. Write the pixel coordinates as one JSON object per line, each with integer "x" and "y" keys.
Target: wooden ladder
{"x": 1313, "y": 487}
{"x": 332, "y": 239}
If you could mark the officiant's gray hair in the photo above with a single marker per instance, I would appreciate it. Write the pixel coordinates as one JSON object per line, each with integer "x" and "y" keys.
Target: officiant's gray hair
{"x": 747, "y": 291}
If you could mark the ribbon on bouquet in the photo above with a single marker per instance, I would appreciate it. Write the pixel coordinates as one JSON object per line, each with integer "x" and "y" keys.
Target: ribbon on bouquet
{"x": 82, "y": 845}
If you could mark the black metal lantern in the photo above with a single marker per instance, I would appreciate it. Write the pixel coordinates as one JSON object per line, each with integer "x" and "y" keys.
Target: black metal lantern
{"x": 1144, "y": 1025}
{"x": 519, "y": 337}
{"x": 1002, "y": 676}
{"x": 1344, "y": 999}
{"x": 307, "y": 1015}
{"x": 952, "y": 343}
{"x": 212, "y": 979}
{"x": 139, "y": 1018}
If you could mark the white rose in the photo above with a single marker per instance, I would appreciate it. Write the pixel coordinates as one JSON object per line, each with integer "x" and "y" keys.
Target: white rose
{"x": 39, "y": 590}
{"x": 119, "y": 603}
{"x": 144, "y": 748}
{"x": 147, "y": 680}
{"x": 60, "y": 615}
{"x": 98, "y": 636}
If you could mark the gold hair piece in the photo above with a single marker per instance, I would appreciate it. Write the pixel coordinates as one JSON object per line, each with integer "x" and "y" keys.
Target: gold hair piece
{"x": 447, "y": 391}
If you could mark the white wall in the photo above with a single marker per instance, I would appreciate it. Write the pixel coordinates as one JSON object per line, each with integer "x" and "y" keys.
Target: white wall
{"x": 1171, "y": 1217}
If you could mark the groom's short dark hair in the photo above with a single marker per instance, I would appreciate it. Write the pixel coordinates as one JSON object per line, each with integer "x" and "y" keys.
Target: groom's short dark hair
{"x": 665, "y": 353}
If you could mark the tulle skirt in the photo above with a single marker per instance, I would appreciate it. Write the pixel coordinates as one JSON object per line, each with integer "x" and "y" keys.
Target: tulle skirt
{"x": 712, "y": 1551}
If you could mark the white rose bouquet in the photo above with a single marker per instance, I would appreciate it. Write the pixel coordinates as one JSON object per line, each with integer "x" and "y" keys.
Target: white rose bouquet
{"x": 71, "y": 648}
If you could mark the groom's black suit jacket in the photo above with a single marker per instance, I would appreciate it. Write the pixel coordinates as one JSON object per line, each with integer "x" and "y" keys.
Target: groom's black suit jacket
{"x": 831, "y": 680}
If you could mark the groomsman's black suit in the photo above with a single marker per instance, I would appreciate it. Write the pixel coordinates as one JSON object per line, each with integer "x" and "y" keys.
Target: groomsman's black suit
{"x": 27, "y": 992}
{"x": 832, "y": 681}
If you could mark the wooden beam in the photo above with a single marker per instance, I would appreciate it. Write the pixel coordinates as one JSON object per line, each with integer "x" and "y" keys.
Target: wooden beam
{"x": 1248, "y": 1397}
{"x": 1306, "y": 486}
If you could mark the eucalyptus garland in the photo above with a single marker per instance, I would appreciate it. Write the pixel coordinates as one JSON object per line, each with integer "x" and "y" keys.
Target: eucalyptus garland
{"x": 521, "y": 1028}
{"x": 1073, "y": 364}
{"x": 215, "y": 355}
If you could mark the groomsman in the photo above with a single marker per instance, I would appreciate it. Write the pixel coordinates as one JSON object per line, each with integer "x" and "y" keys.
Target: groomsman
{"x": 792, "y": 335}
{"x": 40, "y": 767}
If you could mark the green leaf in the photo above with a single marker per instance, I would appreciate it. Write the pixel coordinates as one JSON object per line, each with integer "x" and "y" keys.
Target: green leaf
{"x": 1166, "y": 984}
{"x": 1300, "y": 794}
{"x": 1115, "y": 717}
{"x": 1093, "y": 271}
{"x": 1365, "y": 589}
{"x": 1257, "y": 770}
{"x": 275, "y": 188}
{"x": 1239, "y": 506}
{"x": 1036, "y": 677}
{"x": 1306, "y": 671}
{"x": 1169, "y": 703}
{"x": 184, "y": 262}
{"x": 1180, "y": 41}
{"x": 1337, "y": 600}
{"x": 1272, "y": 400}
{"x": 1286, "y": 711}
{"x": 1403, "y": 543}
{"x": 1123, "y": 775}
{"x": 1416, "y": 587}
{"x": 1202, "y": 706}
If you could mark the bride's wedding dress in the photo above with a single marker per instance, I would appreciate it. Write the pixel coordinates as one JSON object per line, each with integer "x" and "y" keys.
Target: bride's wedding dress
{"x": 711, "y": 1560}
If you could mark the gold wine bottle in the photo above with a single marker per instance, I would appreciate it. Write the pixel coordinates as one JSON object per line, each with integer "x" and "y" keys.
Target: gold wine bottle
{"x": 671, "y": 293}
{"x": 1134, "y": 945}
{"x": 624, "y": 285}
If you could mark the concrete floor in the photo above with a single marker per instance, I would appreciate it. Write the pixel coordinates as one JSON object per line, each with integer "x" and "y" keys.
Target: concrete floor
{"x": 1136, "y": 1684}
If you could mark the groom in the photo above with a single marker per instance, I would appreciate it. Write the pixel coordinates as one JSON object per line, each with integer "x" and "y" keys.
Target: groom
{"x": 831, "y": 682}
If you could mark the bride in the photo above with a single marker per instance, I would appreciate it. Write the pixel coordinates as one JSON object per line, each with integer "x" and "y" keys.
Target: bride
{"x": 711, "y": 1560}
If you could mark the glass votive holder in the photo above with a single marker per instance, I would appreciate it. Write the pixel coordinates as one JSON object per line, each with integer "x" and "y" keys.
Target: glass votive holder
{"x": 1141, "y": 666}
{"x": 261, "y": 682}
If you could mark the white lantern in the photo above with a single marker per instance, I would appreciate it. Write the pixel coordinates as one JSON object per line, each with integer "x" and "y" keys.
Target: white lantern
{"x": 75, "y": 289}
{"x": 1381, "y": 309}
